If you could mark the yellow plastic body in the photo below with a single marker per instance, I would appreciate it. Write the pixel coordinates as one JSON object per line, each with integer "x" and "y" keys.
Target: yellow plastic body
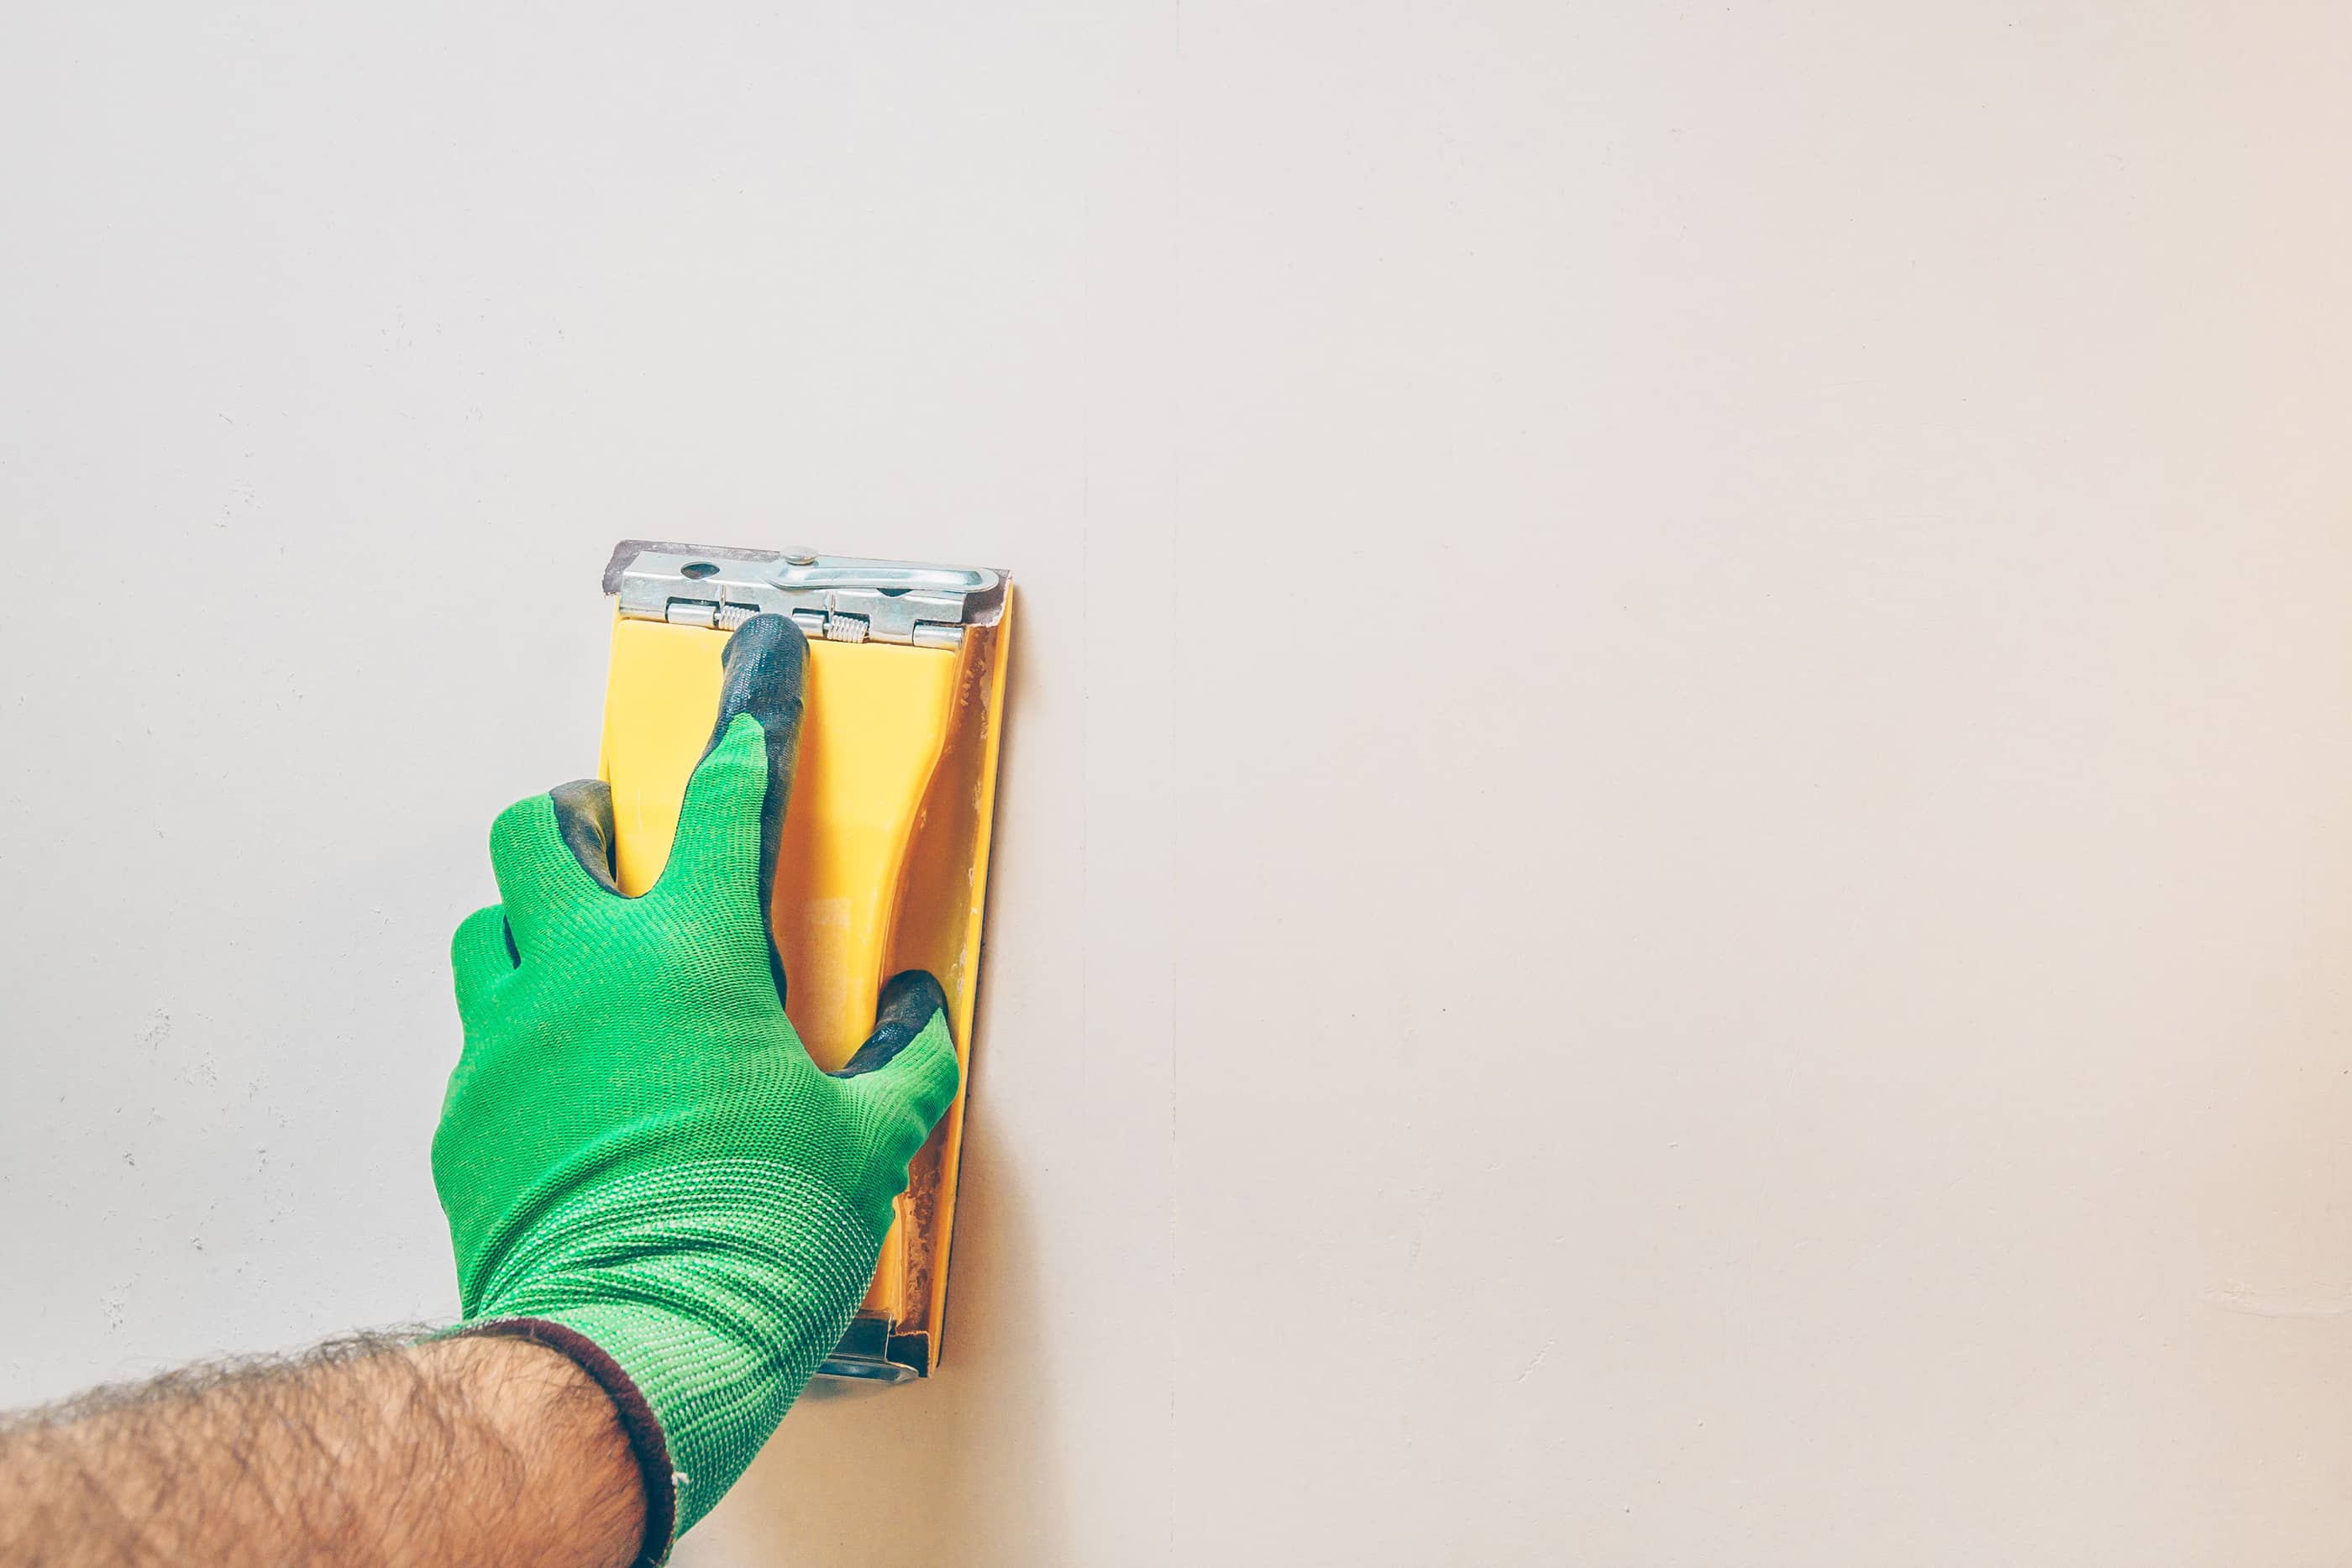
{"x": 882, "y": 866}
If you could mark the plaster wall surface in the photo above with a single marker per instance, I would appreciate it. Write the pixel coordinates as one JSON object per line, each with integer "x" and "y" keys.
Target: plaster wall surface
{"x": 1671, "y": 883}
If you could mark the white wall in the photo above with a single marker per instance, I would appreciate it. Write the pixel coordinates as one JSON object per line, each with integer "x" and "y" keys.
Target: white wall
{"x": 1672, "y": 879}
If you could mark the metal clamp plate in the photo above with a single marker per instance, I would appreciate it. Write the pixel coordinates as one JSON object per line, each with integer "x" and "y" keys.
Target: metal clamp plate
{"x": 843, "y": 599}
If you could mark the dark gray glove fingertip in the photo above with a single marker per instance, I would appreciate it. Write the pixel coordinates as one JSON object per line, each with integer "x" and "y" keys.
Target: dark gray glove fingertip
{"x": 584, "y": 821}
{"x": 907, "y": 1007}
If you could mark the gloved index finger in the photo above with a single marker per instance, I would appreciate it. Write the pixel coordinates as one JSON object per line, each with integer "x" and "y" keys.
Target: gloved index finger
{"x": 765, "y": 666}
{"x": 765, "y": 670}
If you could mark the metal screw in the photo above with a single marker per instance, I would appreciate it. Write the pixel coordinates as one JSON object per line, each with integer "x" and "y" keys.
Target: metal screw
{"x": 800, "y": 558}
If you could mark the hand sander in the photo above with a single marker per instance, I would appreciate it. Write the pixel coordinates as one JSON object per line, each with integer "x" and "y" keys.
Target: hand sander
{"x": 883, "y": 864}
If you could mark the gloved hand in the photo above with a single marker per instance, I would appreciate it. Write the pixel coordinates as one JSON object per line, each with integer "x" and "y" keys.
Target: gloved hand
{"x": 640, "y": 1164}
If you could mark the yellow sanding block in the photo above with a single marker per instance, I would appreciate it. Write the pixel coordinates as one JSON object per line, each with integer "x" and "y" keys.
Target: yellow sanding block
{"x": 883, "y": 864}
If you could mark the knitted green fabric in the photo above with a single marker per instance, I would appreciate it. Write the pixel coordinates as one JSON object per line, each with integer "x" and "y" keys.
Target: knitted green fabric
{"x": 635, "y": 1151}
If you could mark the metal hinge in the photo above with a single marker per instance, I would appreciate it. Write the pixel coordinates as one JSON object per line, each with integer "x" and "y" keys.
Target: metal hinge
{"x": 841, "y": 599}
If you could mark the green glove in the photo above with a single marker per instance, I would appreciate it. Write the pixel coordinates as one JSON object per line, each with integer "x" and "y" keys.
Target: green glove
{"x": 640, "y": 1164}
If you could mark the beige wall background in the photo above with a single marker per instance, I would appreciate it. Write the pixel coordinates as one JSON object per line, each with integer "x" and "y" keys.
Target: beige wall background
{"x": 1673, "y": 877}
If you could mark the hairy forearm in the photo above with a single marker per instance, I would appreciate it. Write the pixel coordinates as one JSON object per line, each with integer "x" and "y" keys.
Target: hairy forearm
{"x": 371, "y": 1451}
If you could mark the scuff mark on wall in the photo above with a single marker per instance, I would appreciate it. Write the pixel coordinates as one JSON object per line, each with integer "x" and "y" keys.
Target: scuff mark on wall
{"x": 2279, "y": 1303}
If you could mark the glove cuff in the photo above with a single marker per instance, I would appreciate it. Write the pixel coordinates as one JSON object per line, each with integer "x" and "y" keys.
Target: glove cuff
{"x": 715, "y": 1287}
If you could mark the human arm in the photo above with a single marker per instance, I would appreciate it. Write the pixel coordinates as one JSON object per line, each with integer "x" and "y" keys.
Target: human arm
{"x": 374, "y": 1450}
